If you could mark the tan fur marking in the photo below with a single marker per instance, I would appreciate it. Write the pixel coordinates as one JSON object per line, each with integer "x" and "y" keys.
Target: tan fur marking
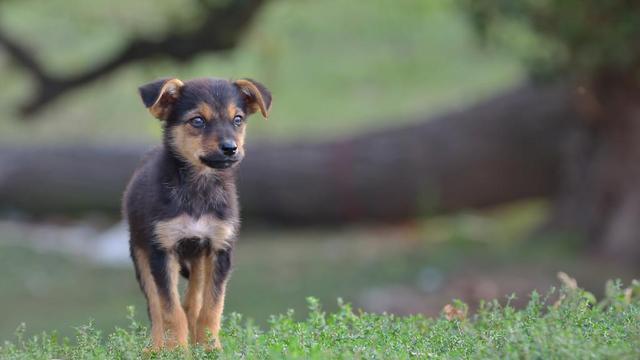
{"x": 206, "y": 111}
{"x": 211, "y": 144}
{"x": 187, "y": 142}
{"x": 252, "y": 90}
{"x": 240, "y": 137}
{"x": 193, "y": 298}
{"x": 151, "y": 292}
{"x": 232, "y": 111}
{"x": 167, "y": 96}
{"x": 175, "y": 319}
{"x": 212, "y": 307}
{"x": 184, "y": 226}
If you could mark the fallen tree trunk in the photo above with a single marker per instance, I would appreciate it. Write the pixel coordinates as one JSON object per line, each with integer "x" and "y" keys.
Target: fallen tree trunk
{"x": 501, "y": 150}
{"x": 507, "y": 148}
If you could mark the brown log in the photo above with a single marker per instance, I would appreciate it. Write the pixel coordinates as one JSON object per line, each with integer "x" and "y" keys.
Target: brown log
{"x": 504, "y": 149}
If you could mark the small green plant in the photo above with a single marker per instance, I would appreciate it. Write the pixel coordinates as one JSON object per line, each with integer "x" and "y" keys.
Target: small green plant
{"x": 567, "y": 323}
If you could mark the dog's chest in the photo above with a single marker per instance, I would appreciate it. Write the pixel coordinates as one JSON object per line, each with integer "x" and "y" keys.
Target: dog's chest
{"x": 206, "y": 227}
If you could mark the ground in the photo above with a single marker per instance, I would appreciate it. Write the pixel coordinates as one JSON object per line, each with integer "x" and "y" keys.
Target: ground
{"x": 404, "y": 269}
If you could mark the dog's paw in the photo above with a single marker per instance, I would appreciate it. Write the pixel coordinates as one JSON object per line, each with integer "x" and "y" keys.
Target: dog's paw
{"x": 213, "y": 345}
{"x": 149, "y": 351}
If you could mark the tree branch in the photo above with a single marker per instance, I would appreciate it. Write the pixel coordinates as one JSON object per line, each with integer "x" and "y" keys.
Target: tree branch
{"x": 220, "y": 30}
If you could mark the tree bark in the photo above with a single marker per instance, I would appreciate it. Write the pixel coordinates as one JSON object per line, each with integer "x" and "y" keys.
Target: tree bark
{"x": 507, "y": 148}
{"x": 600, "y": 191}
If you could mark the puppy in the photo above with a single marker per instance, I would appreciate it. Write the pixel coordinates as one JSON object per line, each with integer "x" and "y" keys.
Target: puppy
{"x": 181, "y": 203}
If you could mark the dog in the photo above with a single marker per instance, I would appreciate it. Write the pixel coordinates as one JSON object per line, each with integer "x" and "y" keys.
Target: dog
{"x": 181, "y": 203}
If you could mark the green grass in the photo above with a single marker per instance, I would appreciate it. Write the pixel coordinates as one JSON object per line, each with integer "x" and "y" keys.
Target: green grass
{"x": 570, "y": 325}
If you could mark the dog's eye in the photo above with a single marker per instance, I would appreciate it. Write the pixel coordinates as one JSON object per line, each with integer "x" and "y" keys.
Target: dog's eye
{"x": 237, "y": 120}
{"x": 197, "y": 122}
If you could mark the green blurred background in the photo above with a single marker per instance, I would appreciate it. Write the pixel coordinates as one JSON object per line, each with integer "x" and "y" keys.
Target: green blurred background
{"x": 336, "y": 68}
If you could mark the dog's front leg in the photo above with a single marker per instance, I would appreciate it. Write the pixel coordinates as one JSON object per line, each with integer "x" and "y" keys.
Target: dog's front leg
{"x": 148, "y": 284}
{"x": 217, "y": 267}
{"x": 165, "y": 269}
{"x": 193, "y": 298}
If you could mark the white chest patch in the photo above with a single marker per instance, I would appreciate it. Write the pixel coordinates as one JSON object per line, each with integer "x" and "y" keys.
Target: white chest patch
{"x": 169, "y": 232}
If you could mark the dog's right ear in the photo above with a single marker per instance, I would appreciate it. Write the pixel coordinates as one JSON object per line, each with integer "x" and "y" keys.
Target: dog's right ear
{"x": 160, "y": 95}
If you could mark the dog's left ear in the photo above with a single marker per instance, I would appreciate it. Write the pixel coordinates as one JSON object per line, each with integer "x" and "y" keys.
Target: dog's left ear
{"x": 256, "y": 95}
{"x": 160, "y": 95}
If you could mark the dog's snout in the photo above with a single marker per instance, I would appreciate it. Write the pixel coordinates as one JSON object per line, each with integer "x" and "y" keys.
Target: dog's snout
{"x": 228, "y": 147}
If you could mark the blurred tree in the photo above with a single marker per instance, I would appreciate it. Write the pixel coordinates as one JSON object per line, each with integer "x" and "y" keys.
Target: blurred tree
{"x": 583, "y": 38}
{"x": 595, "y": 45}
{"x": 220, "y": 28}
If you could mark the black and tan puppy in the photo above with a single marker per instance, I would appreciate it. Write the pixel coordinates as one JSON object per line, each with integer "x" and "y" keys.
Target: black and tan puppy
{"x": 181, "y": 204}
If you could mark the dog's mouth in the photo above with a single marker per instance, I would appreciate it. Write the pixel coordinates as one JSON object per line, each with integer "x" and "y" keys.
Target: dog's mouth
{"x": 218, "y": 163}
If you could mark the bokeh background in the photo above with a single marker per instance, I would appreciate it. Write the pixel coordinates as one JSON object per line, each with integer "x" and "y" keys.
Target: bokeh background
{"x": 417, "y": 151}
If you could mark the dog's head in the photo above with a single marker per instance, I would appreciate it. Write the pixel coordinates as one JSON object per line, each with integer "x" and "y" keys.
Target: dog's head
{"x": 205, "y": 119}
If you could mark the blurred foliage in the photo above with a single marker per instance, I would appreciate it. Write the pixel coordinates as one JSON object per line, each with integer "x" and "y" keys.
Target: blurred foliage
{"x": 562, "y": 36}
{"x": 373, "y": 64}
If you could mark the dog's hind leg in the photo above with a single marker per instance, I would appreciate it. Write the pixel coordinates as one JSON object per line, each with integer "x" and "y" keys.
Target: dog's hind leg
{"x": 148, "y": 286}
{"x": 193, "y": 297}
{"x": 216, "y": 271}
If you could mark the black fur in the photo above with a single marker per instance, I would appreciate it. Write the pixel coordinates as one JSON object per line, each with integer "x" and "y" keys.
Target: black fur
{"x": 190, "y": 248}
{"x": 149, "y": 92}
{"x": 158, "y": 264}
{"x": 222, "y": 268}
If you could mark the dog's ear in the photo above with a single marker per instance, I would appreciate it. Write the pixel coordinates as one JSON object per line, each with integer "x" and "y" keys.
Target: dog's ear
{"x": 256, "y": 95}
{"x": 160, "y": 95}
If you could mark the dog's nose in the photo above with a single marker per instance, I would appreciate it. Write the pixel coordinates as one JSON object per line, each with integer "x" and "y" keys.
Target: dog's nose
{"x": 228, "y": 147}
